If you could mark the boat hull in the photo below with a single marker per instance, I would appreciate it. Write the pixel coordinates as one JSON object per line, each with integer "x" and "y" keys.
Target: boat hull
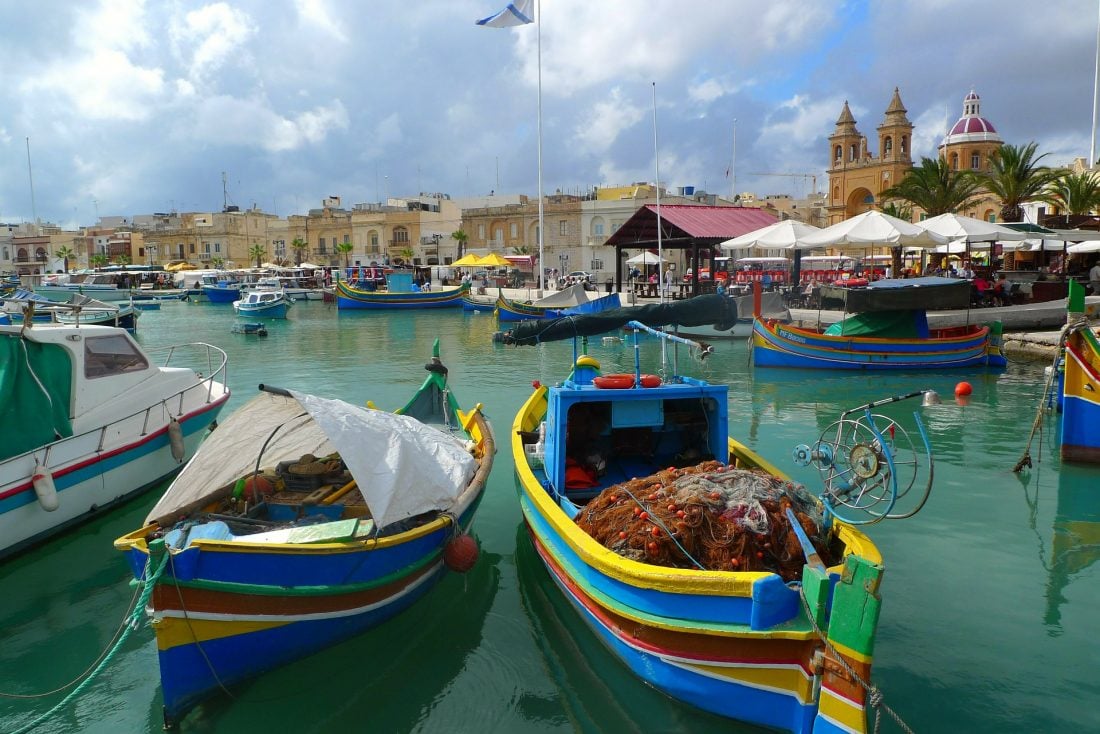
{"x": 736, "y": 644}
{"x": 348, "y": 298}
{"x": 1081, "y": 398}
{"x": 89, "y": 479}
{"x": 780, "y": 345}
{"x": 125, "y": 317}
{"x": 277, "y": 310}
{"x": 220, "y": 294}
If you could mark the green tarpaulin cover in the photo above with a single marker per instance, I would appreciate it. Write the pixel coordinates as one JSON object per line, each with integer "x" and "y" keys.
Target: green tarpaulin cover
{"x": 883, "y": 324}
{"x": 35, "y": 392}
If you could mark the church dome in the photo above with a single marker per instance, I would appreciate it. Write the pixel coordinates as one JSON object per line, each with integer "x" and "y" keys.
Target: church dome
{"x": 971, "y": 127}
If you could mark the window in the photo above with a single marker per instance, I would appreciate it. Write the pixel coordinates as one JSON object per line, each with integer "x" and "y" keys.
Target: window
{"x": 597, "y": 227}
{"x": 904, "y": 144}
{"x": 563, "y": 227}
{"x": 206, "y": 247}
{"x": 954, "y": 161}
{"x": 111, "y": 355}
{"x": 481, "y": 231}
{"x": 347, "y": 238}
{"x": 217, "y": 247}
{"x": 596, "y": 265}
{"x": 498, "y": 235}
{"x": 888, "y": 145}
{"x": 373, "y": 239}
{"x": 141, "y": 253}
{"x": 837, "y": 154}
{"x": 321, "y": 244}
{"x": 400, "y": 234}
{"x": 514, "y": 230}
{"x": 975, "y": 161}
{"x": 853, "y": 153}
{"x": 190, "y": 248}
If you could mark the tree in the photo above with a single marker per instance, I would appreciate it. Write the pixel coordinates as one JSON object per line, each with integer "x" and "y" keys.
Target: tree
{"x": 122, "y": 259}
{"x": 461, "y": 238}
{"x": 903, "y": 212}
{"x": 257, "y": 252}
{"x": 65, "y": 252}
{"x": 1016, "y": 178}
{"x": 1072, "y": 193}
{"x": 300, "y": 246}
{"x": 345, "y": 248}
{"x": 97, "y": 260}
{"x": 217, "y": 262}
{"x": 935, "y": 187}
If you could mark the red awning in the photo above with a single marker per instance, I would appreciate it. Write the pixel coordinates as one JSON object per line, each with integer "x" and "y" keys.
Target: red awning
{"x": 522, "y": 260}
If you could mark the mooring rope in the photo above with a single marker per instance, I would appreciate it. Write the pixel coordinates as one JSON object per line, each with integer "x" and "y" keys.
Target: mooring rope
{"x": 874, "y": 695}
{"x": 1076, "y": 321}
{"x": 133, "y": 620}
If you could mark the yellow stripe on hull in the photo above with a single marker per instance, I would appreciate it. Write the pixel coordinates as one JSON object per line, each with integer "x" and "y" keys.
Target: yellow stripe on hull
{"x": 789, "y": 680}
{"x": 841, "y": 712}
{"x": 173, "y": 631}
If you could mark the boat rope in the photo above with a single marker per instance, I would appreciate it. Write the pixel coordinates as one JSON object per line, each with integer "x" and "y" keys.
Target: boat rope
{"x": 187, "y": 619}
{"x": 874, "y": 695}
{"x": 1073, "y": 323}
{"x": 131, "y": 622}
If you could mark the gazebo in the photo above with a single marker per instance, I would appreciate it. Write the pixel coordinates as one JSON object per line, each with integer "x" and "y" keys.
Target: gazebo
{"x": 684, "y": 227}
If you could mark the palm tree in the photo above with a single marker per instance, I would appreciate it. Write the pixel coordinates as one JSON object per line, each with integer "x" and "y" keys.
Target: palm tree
{"x": 406, "y": 255}
{"x": 903, "y": 212}
{"x": 122, "y": 259}
{"x": 935, "y": 187}
{"x": 97, "y": 260}
{"x": 300, "y": 246}
{"x": 461, "y": 238}
{"x": 344, "y": 247}
{"x": 1073, "y": 193}
{"x": 1016, "y": 178}
{"x": 258, "y": 252}
{"x": 65, "y": 252}
{"x": 217, "y": 262}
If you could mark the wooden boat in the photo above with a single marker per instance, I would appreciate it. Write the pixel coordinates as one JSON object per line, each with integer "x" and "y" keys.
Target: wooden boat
{"x": 735, "y": 640}
{"x": 90, "y": 419}
{"x": 303, "y": 521}
{"x": 350, "y": 297}
{"x": 475, "y": 303}
{"x": 511, "y": 310}
{"x": 84, "y": 310}
{"x": 221, "y": 290}
{"x": 1080, "y": 392}
{"x": 889, "y": 331}
{"x": 271, "y": 303}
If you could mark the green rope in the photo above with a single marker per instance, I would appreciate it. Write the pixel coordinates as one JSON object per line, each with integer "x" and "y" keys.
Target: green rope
{"x": 135, "y": 618}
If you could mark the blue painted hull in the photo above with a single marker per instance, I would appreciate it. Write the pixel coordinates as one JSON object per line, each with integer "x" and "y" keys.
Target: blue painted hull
{"x": 1081, "y": 398}
{"x": 348, "y": 297}
{"x": 275, "y": 311}
{"x": 218, "y": 294}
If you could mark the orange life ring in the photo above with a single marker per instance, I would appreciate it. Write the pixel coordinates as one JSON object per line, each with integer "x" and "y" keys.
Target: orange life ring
{"x": 621, "y": 381}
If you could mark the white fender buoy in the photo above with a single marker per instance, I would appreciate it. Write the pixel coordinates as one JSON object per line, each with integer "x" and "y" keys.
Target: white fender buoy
{"x": 175, "y": 439}
{"x": 43, "y": 487}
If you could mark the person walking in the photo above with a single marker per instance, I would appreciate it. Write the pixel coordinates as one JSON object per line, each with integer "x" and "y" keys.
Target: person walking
{"x": 1094, "y": 278}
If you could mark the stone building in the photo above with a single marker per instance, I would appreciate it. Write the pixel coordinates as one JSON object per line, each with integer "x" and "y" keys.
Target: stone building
{"x": 857, "y": 176}
{"x": 968, "y": 145}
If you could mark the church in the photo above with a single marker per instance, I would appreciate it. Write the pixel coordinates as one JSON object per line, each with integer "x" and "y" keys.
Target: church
{"x": 858, "y": 175}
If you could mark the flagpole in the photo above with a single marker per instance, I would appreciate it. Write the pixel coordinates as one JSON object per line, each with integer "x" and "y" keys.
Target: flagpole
{"x": 542, "y": 231}
{"x": 1095, "y": 90}
{"x": 657, "y": 183}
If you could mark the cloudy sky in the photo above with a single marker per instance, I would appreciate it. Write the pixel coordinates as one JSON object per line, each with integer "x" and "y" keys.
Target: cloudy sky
{"x": 134, "y": 107}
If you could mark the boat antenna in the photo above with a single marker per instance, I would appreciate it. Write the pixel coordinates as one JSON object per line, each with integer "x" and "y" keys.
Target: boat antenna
{"x": 1095, "y": 93}
{"x": 657, "y": 186}
{"x": 30, "y": 176}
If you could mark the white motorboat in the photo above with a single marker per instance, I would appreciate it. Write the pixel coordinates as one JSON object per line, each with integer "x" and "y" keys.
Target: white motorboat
{"x": 90, "y": 419}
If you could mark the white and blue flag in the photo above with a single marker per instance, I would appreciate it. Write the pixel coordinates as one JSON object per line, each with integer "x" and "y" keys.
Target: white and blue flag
{"x": 516, "y": 13}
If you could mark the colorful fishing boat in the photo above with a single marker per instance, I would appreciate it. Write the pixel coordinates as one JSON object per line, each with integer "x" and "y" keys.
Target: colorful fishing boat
{"x": 304, "y": 521}
{"x": 890, "y": 331}
{"x": 89, "y": 419}
{"x": 1080, "y": 393}
{"x": 84, "y": 310}
{"x": 619, "y": 477}
{"x": 511, "y": 310}
{"x": 480, "y": 304}
{"x": 400, "y": 293}
{"x": 270, "y": 303}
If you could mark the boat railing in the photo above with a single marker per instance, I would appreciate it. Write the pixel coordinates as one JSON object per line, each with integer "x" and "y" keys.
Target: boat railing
{"x": 217, "y": 366}
{"x": 215, "y": 358}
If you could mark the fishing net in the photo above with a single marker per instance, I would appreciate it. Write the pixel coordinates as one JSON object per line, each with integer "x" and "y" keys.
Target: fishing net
{"x": 710, "y": 516}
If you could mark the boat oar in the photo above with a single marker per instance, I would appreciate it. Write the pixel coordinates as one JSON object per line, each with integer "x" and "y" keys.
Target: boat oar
{"x": 812, "y": 558}
{"x": 339, "y": 493}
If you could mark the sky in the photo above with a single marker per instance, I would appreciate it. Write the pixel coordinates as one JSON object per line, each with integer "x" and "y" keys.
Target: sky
{"x": 126, "y": 107}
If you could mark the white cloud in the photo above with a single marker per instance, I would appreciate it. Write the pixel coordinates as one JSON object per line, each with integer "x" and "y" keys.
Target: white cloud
{"x": 227, "y": 120}
{"x": 104, "y": 85}
{"x": 316, "y": 13}
{"x": 210, "y": 37}
{"x": 601, "y": 127}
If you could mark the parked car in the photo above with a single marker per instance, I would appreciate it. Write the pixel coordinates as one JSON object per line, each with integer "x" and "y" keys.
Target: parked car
{"x": 581, "y": 275}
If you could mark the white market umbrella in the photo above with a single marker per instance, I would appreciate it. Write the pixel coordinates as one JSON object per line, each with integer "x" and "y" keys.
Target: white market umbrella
{"x": 1083, "y": 247}
{"x": 646, "y": 258}
{"x": 870, "y": 229}
{"x": 961, "y": 230}
{"x": 309, "y": 266}
{"x": 784, "y": 235}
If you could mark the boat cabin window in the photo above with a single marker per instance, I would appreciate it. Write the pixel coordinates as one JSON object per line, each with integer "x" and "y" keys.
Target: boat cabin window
{"x": 111, "y": 355}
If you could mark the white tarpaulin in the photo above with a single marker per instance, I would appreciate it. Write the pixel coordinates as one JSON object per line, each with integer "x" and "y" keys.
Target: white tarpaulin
{"x": 401, "y": 466}
{"x": 645, "y": 258}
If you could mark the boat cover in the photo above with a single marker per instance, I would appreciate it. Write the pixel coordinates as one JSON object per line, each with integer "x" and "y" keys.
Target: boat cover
{"x": 574, "y": 295}
{"x": 699, "y": 311}
{"x": 898, "y": 294}
{"x": 36, "y": 382}
{"x": 883, "y": 324}
{"x": 401, "y": 466}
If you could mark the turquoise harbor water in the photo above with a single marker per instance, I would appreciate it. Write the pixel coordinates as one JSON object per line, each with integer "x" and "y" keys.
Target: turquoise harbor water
{"x": 989, "y": 617}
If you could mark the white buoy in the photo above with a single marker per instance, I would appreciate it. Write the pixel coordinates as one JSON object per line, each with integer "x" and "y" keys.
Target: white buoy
{"x": 175, "y": 439}
{"x": 43, "y": 487}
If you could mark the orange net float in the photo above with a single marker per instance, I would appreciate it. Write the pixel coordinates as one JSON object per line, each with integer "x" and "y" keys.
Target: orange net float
{"x": 460, "y": 553}
{"x": 622, "y": 381}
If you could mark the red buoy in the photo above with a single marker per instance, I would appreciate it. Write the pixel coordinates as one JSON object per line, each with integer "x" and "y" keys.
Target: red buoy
{"x": 963, "y": 388}
{"x": 460, "y": 553}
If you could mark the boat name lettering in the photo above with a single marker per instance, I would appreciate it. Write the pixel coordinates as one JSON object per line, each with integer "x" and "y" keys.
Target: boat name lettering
{"x": 792, "y": 337}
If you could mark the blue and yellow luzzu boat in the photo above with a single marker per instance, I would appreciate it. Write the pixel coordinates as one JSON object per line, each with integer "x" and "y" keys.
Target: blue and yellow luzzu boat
{"x": 738, "y": 640}
{"x": 350, "y": 297}
{"x": 1080, "y": 387}
{"x": 301, "y": 522}
{"x": 889, "y": 332}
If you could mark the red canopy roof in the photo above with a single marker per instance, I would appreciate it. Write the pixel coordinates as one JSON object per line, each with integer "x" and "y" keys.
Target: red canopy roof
{"x": 687, "y": 226}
